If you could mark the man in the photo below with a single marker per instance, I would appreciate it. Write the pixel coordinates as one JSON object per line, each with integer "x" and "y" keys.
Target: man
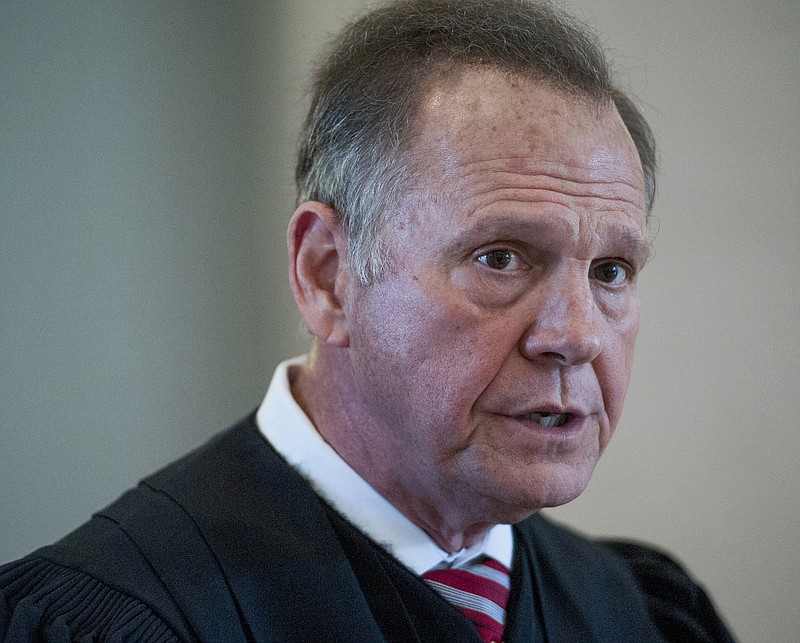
{"x": 470, "y": 229}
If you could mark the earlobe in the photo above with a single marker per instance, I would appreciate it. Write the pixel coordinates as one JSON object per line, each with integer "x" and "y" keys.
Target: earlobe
{"x": 318, "y": 271}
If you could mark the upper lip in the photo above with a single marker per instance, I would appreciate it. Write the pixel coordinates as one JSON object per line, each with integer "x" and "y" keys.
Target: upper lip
{"x": 574, "y": 410}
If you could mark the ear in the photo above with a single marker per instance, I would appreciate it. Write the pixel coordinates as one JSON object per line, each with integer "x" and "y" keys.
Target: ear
{"x": 318, "y": 271}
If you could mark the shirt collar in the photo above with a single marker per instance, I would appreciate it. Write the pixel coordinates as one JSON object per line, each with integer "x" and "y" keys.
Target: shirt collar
{"x": 286, "y": 426}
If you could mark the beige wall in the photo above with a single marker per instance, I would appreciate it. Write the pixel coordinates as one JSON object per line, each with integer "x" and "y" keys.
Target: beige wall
{"x": 145, "y": 181}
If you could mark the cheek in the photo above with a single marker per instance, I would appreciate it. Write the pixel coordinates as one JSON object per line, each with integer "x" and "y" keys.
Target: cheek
{"x": 410, "y": 320}
{"x": 424, "y": 341}
{"x": 398, "y": 322}
{"x": 615, "y": 369}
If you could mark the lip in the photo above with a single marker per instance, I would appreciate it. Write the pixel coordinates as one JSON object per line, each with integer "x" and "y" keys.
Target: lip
{"x": 573, "y": 428}
{"x": 574, "y": 409}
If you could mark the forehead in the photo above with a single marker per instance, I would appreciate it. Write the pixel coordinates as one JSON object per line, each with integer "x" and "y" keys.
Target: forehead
{"x": 475, "y": 114}
{"x": 496, "y": 150}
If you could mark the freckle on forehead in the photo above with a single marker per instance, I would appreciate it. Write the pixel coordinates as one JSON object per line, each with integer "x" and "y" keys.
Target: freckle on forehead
{"x": 518, "y": 164}
{"x": 481, "y": 116}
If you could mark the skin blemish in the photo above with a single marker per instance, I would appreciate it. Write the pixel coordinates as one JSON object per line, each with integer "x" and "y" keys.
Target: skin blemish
{"x": 519, "y": 164}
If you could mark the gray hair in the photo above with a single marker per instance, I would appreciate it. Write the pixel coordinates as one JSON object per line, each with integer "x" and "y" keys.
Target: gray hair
{"x": 354, "y": 149}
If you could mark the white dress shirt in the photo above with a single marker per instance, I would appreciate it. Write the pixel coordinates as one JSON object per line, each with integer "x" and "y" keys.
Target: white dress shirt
{"x": 286, "y": 426}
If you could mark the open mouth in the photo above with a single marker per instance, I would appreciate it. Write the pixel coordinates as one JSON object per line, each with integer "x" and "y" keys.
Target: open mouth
{"x": 548, "y": 420}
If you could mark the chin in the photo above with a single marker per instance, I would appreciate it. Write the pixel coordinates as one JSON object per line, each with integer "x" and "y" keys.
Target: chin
{"x": 540, "y": 490}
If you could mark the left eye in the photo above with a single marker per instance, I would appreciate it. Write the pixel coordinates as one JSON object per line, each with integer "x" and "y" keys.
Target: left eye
{"x": 499, "y": 259}
{"x": 610, "y": 272}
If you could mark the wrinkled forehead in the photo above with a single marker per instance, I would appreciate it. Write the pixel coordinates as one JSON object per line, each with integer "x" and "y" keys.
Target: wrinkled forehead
{"x": 481, "y": 114}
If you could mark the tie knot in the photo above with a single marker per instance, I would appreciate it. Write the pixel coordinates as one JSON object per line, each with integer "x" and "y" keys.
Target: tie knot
{"x": 480, "y": 590}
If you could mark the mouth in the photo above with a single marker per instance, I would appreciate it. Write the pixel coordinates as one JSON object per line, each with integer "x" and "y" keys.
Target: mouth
{"x": 548, "y": 420}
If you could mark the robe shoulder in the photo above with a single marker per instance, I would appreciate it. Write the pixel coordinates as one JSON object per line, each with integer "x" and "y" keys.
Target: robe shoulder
{"x": 95, "y": 584}
{"x": 613, "y": 579}
{"x": 41, "y": 600}
{"x": 678, "y": 605}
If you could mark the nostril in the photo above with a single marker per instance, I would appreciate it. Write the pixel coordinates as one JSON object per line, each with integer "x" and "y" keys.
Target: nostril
{"x": 563, "y": 347}
{"x": 553, "y": 355}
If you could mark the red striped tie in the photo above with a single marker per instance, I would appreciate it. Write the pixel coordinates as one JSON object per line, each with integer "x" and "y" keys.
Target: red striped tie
{"x": 479, "y": 590}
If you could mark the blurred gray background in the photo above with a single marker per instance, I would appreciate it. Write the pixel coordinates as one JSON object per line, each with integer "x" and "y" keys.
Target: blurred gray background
{"x": 145, "y": 185}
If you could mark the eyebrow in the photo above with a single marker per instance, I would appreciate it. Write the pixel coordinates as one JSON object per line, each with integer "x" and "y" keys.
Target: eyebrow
{"x": 635, "y": 242}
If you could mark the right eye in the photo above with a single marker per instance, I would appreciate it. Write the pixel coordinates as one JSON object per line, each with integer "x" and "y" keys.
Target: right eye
{"x": 500, "y": 259}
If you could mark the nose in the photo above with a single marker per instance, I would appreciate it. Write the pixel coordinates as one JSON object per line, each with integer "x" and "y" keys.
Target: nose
{"x": 566, "y": 324}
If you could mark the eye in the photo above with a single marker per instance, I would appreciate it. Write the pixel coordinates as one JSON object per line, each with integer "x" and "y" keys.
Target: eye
{"x": 611, "y": 272}
{"x": 500, "y": 259}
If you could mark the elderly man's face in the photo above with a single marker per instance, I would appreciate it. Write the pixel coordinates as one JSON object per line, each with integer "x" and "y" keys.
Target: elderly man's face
{"x": 494, "y": 356}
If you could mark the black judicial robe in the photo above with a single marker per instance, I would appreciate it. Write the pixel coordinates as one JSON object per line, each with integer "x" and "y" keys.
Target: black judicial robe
{"x": 231, "y": 544}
